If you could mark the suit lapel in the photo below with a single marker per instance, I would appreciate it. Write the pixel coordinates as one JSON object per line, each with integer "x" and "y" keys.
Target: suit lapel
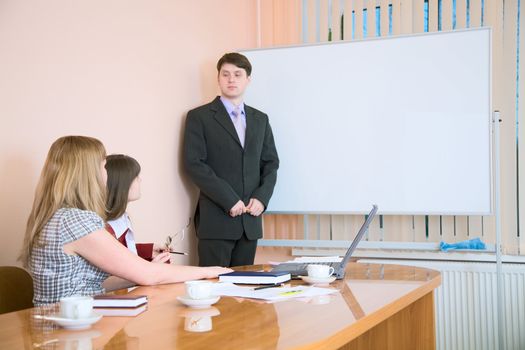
{"x": 250, "y": 125}
{"x": 222, "y": 117}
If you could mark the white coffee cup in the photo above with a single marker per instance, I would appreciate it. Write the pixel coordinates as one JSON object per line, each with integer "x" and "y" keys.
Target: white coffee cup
{"x": 76, "y": 307}
{"x": 320, "y": 271}
{"x": 198, "y": 289}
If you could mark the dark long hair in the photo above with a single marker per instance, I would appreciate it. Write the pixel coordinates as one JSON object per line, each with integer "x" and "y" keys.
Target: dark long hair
{"x": 122, "y": 170}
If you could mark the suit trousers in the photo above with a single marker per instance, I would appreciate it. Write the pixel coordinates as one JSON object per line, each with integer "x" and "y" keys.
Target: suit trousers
{"x": 226, "y": 252}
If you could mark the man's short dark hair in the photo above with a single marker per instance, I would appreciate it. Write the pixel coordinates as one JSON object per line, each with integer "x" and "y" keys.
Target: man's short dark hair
{"x": 237, "y": 60}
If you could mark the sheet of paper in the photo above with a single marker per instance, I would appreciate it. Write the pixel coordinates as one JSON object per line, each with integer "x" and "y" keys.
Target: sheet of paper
{"x": 271, "y": 294}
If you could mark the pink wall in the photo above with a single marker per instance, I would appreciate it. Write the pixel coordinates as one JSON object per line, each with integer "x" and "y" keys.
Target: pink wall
{"x": 123, "y": 71}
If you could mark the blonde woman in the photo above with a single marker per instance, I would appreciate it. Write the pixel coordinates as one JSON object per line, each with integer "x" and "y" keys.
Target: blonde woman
{"x": 66, "y": 247}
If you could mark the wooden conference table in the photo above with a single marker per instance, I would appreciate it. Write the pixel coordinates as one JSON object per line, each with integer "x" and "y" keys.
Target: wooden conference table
{"x": 378, "y": 307}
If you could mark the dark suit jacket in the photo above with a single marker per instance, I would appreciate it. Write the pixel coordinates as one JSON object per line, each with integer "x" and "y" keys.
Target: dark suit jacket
{"x": 225, "y": 172}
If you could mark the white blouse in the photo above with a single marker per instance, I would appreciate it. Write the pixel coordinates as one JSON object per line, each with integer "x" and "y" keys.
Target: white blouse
{"x": 119, "y": 226}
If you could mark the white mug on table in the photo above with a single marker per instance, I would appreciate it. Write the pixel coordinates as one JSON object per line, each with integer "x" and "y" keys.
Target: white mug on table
{"x": 198, "y": 289}
{"x": 76, "y": 307}
{"x": 319, "y": 271}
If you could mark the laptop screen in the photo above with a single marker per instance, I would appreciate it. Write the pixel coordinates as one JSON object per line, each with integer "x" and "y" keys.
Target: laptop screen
{"x": 297, "y": 268}
{"x": 359, "y": 236}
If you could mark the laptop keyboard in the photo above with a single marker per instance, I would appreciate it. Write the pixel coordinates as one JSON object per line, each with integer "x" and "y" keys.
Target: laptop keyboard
{"x": 299, "y": 267}
{"x": 304, "y": 266}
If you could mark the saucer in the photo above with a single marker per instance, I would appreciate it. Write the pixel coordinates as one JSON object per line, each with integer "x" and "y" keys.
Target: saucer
{"x": 72, "y": 323}
{"x": 318, "y": 280}
{"x": 198, "y": 303}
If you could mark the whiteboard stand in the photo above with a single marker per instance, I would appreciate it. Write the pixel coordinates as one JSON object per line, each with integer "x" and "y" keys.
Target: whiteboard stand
{"x": 496, "y": 119}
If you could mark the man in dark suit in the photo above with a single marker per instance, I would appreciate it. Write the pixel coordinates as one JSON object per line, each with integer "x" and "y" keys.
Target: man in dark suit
{"x": 230, "y": 154}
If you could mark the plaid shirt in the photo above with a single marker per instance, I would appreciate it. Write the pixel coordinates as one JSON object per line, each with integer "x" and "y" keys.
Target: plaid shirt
{"x": 57, "y": 274}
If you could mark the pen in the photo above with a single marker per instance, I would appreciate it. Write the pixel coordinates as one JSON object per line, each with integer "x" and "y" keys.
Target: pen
{"x": 268, "y": 286}
{"x": 180, "y": 253}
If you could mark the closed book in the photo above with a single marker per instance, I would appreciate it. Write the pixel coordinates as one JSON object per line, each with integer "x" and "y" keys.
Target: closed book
{"x": 254, "y": 277}
{"x": 119, "y": 300}
{"x": 121, "y": 311}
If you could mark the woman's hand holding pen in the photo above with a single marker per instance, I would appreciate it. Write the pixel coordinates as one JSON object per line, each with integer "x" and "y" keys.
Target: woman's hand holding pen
{"x": 166, "y": 248}
{"x": 160, "y": 255}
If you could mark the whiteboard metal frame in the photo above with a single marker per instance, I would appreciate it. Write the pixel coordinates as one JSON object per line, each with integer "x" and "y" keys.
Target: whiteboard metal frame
{"x": 489, "y": 121}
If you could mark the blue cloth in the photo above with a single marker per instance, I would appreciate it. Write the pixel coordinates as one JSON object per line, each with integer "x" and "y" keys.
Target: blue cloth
{"x": 474, "y": 243}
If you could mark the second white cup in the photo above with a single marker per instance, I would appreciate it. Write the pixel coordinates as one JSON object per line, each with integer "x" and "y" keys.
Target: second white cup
{"x": 198, "y": 289}
{"x": 320, "y": 271}
{"x": 76, "y": 307}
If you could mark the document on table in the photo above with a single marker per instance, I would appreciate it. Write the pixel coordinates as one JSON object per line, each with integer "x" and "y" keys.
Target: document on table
{"x": 270, "y": 294}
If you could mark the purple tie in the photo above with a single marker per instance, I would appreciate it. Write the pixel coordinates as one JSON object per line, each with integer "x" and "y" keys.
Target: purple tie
{"x": 239, "y": 124}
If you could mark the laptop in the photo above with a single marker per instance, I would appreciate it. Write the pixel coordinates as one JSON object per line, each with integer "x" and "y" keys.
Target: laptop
{"x": 299, "y": 268}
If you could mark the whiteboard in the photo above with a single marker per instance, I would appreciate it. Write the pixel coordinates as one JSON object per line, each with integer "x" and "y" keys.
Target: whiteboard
{"x": 402, "y": 122}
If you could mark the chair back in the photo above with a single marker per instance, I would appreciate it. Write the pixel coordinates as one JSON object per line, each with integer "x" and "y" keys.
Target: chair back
{"x": 16, "y": 289}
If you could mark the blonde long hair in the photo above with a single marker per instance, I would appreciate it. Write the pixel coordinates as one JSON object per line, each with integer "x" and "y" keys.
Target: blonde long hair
{"x": 71, "y": 178}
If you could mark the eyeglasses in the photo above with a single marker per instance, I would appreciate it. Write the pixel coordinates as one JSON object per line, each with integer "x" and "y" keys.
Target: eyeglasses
{"x": 176, "y": 238}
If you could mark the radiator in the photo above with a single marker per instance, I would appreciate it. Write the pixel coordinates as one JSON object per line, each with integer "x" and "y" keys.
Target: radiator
{"x": 466, "y": 304}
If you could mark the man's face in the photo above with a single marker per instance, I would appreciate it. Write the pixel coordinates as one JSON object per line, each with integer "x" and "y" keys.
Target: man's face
{"x": 232, "y": 81}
